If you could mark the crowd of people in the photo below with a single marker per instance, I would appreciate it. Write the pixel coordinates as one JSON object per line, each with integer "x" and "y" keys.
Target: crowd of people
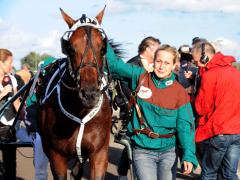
{"x": 190, "y": 88}
{"x": 180, "y": 100}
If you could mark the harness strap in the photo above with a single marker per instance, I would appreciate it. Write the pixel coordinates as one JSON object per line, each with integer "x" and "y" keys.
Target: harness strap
{"x": 87, "y": 118}
{"x": 80, "y": 121}
{"x": 151, "y": 134}
{"x": 133, "y": 96}
{"x": 133, "y": 100}
{"x": 140, "y": 118}
{"x": 47, "y": 93}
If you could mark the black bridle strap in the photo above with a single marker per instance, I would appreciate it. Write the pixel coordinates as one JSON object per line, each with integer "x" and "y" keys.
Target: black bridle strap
{"x": 93, "y": 51}
{"x": 75, "y": 74}
{"x": 89, "y": 45}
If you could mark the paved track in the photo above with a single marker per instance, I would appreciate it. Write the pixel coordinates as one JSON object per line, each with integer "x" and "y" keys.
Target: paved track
{"x": 25, "y": 169}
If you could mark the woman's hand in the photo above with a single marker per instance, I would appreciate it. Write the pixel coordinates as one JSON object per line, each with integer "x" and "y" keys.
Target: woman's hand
{"x": 188, "y": 74}
{"x": 7, "y": 89}
{"x": 188, "y": 167}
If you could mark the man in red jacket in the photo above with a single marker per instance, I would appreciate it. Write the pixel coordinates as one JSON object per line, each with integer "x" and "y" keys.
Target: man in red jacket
{"x": 218, "y": 105}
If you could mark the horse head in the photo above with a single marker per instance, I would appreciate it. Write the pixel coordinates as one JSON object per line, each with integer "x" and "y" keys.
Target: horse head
{"x": 85, "y": 46}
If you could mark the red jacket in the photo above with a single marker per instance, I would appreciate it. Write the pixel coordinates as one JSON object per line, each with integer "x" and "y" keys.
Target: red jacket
{"x": 218, "y": 100}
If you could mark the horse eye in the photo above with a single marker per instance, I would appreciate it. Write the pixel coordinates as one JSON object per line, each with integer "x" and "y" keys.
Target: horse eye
{"x": 71, "y": 50}
{"x": 103, "y": 50}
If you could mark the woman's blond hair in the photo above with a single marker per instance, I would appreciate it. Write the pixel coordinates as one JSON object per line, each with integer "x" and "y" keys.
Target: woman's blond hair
{"x": 170, "y": 49}
{"x": 4, "y": 54}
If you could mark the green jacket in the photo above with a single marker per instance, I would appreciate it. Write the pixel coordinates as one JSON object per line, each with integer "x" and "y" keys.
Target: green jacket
{"x": 33, "y": 99}
{"x": 166, "y": 111}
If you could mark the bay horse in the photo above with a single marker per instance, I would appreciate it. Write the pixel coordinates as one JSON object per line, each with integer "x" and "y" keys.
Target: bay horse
{"x": 78, "y": 95}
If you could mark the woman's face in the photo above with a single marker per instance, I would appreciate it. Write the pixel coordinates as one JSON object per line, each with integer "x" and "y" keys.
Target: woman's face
{"x": 6, "y": 66}
{"x": 163, "y": 64}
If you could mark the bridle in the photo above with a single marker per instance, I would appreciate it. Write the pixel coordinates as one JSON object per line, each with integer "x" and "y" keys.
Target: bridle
{"x": 87, "y": 24}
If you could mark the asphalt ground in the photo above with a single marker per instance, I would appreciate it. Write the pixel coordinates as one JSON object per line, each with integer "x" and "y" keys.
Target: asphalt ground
{"x": 25, "y": 169}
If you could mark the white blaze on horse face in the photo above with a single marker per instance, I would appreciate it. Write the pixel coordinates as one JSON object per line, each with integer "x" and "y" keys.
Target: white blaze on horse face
{"x": 85, "y": 37}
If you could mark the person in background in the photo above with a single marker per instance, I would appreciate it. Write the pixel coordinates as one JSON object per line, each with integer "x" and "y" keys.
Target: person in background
{"x": 31, "y": 132}
{"x": 197, "y": 39}
{"x": 217, "y": 105}
{"x": 25, "y": 73}
{"x": 8, "y": 88}
{"x": 195, "y": 76}
{"x": 146, "y": 50}
{"x": 161, "y": 115}
{"x": 185, "y": 66}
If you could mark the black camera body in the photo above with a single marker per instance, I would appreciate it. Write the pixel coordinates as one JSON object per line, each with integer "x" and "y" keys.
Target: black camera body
{"x": 186, "y": 65}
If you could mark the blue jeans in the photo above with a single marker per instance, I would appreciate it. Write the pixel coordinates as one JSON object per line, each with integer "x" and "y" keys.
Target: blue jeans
{"x": 40, "y": 159}
{"x": 151, "y": 165}
{"x": 220, "y": 157}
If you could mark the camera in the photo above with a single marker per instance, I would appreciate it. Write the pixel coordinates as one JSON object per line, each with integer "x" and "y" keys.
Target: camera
{"x": 185, "y": 57}
{"x": 186, "y": 66}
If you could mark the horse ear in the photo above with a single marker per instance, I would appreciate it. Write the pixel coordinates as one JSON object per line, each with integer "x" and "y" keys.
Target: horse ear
{"x": 100, "y": 15}
{"x": 67, "y": 19}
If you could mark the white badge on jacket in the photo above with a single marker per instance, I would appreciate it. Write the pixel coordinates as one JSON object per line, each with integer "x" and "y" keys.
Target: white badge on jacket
{"x": 144, "y": 92}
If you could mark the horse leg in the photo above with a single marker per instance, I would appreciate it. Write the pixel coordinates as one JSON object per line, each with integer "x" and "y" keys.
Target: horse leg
{"x": 98, "y": 164}
{"x": 58, "y": 166}
{"x": 77, "y": 170}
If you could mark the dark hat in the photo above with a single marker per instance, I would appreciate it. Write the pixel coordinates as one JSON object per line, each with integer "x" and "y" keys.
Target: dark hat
{"x": 184, "y": 49}
{"x": 197, "y": 40}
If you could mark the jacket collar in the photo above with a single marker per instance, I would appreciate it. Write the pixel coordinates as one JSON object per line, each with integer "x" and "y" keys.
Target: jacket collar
{"x": 162, "y": 83}
{"x": 219, "y": 60}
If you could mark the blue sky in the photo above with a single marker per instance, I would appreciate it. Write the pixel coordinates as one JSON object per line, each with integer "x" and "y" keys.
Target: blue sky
{"x": 33, "y": 25}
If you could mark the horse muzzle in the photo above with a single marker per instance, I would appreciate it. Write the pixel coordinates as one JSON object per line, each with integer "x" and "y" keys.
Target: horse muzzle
{"x": 89, "y": 98}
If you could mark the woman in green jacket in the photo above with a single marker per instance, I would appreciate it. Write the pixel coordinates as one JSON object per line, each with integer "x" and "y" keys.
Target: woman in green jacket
{"x": 162, "y": 116}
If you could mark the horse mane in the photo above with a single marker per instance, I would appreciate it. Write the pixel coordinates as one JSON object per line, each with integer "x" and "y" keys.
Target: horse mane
{"x": 117, "y": 48}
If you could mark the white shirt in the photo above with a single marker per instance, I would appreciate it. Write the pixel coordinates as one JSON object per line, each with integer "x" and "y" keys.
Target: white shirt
{"x": 14, "y": 84}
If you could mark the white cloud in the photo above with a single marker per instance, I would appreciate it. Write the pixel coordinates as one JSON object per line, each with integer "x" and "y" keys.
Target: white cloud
{"x": 118, "y": 6}
{"x": 14, "y": 37}
{"x": 21, "y": 42}
{"x": 227, "y": 6}
{"x": 21, "y": 37}
{"x": 50, "y": 44}
{"x": 227, "y": 46}
{"x": 16, "y": 41}
{"x": 50, "y": 40}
